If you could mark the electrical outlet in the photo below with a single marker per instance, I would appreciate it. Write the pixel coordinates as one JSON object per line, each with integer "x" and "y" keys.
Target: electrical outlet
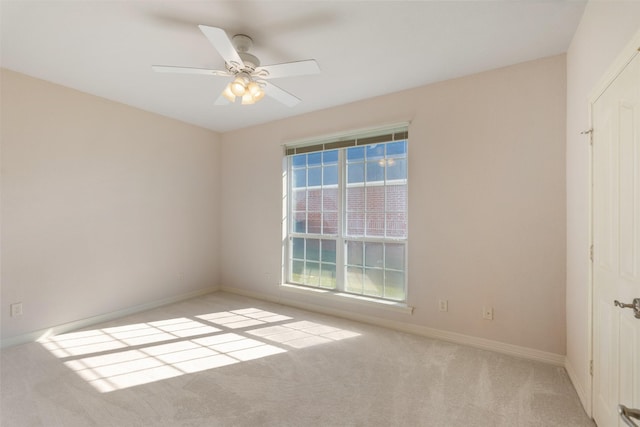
{"x": 443, "y": 304}
{"x": 487, "y": 313}
{"x": 16, "y": 309}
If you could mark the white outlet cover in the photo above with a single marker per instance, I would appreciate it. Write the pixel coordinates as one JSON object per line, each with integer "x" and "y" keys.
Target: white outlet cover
{"x": 16, "y": 309}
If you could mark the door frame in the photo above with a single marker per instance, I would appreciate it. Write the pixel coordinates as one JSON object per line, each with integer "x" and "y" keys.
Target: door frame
{"x": 627, "y": 54}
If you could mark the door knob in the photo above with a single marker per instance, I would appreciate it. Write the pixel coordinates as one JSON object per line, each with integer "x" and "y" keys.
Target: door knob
{"x": 627, "y": 413}
{"x": 635, "y": 305}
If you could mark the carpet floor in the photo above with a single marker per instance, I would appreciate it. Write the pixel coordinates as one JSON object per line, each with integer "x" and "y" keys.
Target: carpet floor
{"x": 227, "y": 360}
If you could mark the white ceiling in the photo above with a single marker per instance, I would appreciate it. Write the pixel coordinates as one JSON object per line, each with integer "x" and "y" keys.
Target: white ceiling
{"x": 364, "y": 48}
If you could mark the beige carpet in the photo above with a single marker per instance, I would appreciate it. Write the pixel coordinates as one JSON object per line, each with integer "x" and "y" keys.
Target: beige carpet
{"x": 226, "y": 360}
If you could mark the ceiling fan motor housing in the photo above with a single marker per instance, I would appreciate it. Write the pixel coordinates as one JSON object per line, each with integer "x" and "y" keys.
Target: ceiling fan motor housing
{"x": 250, "y": 61}
{"x": 243, "y": 43}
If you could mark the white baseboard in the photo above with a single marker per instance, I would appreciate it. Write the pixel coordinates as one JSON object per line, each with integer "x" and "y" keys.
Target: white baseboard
{"x": 482, "y": 343}
{"x": 579, "y": 386}
{"x": 83, "y": 323}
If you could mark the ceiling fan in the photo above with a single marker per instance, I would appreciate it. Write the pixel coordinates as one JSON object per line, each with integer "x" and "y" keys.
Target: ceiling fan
{"x": 250, "y": 80}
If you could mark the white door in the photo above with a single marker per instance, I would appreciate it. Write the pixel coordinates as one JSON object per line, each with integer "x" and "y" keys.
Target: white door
{"x": 616, "y": 240}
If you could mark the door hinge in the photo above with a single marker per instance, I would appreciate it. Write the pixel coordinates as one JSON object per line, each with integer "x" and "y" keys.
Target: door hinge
{"x": 591, "y": 367}
{"x": 590, "y": 133}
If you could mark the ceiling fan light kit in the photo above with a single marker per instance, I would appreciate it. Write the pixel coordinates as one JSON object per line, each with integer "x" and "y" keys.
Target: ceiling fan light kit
{"x": 249, "y": 82}
{"x": 239, "y": 85}
{"x": 245, "y": 88}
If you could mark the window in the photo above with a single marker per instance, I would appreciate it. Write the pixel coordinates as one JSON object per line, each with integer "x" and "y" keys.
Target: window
{"x": 347, "y": 215}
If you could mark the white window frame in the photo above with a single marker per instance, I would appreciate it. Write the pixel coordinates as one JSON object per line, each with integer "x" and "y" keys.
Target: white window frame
{"x": 341, "y": 238}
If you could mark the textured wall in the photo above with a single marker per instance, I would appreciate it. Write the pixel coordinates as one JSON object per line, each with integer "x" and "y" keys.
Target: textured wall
{"x": 486, "y": 200}
{"x": 104, "y": 207}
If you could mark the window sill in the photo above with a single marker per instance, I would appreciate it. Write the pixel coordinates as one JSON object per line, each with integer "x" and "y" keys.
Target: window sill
{"x": 397, "y": 307}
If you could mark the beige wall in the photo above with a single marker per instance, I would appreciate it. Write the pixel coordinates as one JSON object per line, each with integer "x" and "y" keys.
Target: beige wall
{"x": 604, "y": 30}
{"x": 486, "y": 208}
{"x": 104, "y": 206}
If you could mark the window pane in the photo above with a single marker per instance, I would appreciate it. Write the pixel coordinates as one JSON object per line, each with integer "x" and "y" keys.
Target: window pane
{"x": 330, "y": 199}
{"x": 396, "y": 198}
{"x": 314, "y": 202}
{"x": 313, "y": 250}
{"x": 299, "y": 160}
{"x": 394, "y": 256}
{"x": 328, "y": 276}
{"x": 354, "y": 280}
{"x": 394, "y": 286}
{"x": 314, "y": 158}
{"x": 375, "y": 171}
{"x": 315, "y": 177}
{"x": 330, "y": 223}
{"x": 355, "y": 199}
{"x": 398, "y": 148}
{"x": 397, "y": 224}
{"x": 375, "y": 198}
{"x": 299, "y": 200}
{"x": 297, "y": 271}
{"x": 297, "y": 248}
{"x": 299, "y": 178}
{"x": 328, "y": 251}
{"x": 330, "y": 176}
{"x": 373, "y": 255}
{"x": 300, "y": 222}
{"x": 355, "y": 153}
{"x": 355, "y": 172}
{"x": 330, "y": 156}
{"x": 375, "y": 151}
{"x": 375, "y": 224}
{"x": 354, "y": 253}
{"x": 314, "y": 225}
{"x": 355, "y": 223}
{"x": 396, "y": 169}
{"x": 312, "y": 274}
{"x": 373, "y": 285}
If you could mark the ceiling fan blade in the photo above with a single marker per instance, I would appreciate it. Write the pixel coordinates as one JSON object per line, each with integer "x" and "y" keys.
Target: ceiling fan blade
{"x": 222, "y": 100}
{"x": 288, "y": 69}
{"x": 280, "y": 94}
{"x": 220, "y": 40}
{"x": 188, "y": 70}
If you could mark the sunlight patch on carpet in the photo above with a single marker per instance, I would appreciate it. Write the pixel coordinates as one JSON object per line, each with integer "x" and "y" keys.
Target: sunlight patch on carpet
{"x": 120, "y": 357}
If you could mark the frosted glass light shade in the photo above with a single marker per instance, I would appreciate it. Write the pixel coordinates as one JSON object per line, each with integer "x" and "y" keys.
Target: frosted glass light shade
{"x": 247, "y": 99}
{"x": 258, "y": 96}
{"x": 253, "y": 88}
{"x": 244, "y": 87}
{"x": 238, "y": 87}
{"x": 228, "y": 94}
